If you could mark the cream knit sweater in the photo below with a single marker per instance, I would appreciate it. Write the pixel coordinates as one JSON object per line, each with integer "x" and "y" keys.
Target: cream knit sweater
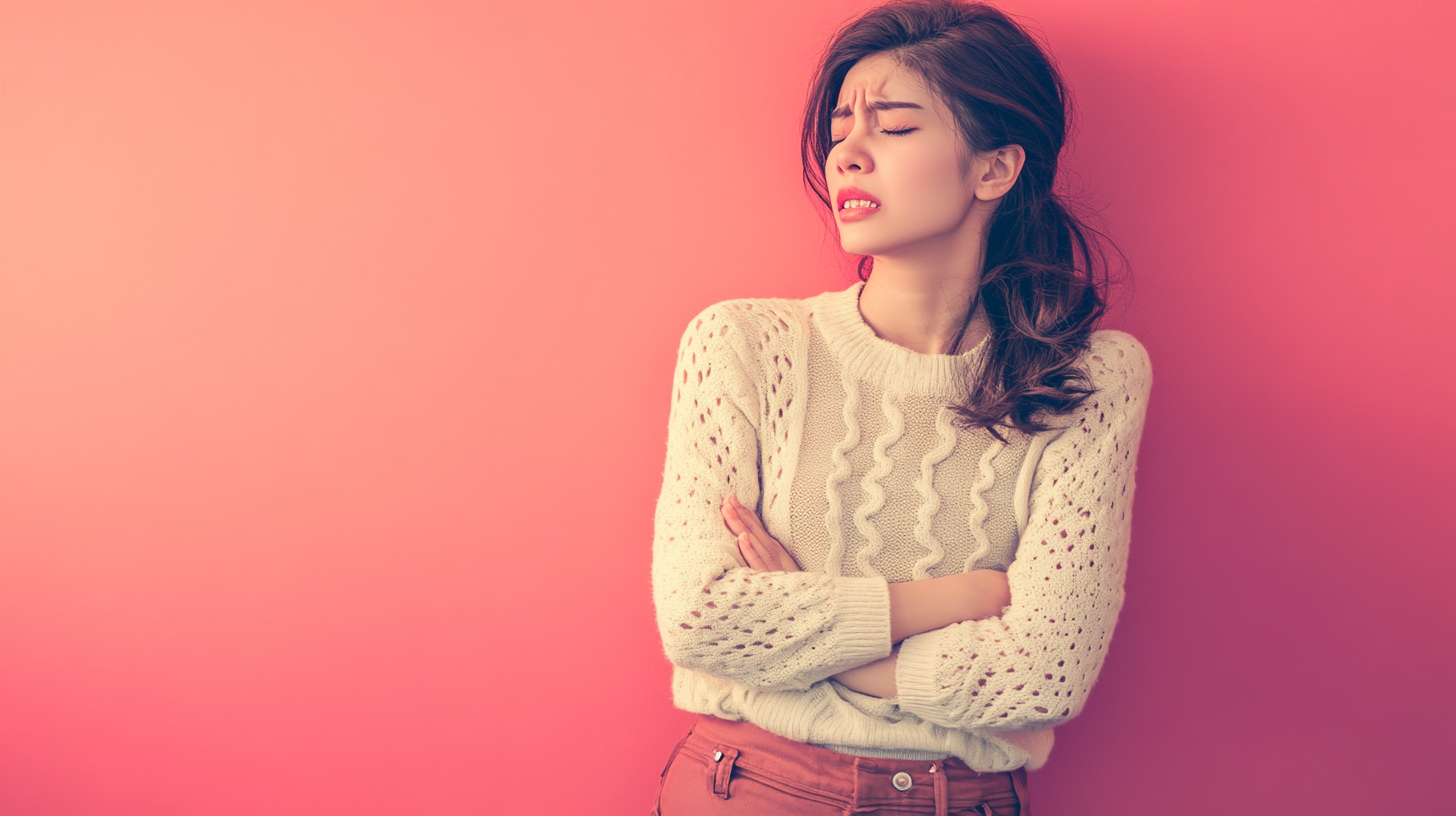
{"x": 842, "y": 444}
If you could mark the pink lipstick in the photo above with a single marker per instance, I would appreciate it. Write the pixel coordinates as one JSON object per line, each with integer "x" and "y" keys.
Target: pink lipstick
{"x": 854, "y": 204}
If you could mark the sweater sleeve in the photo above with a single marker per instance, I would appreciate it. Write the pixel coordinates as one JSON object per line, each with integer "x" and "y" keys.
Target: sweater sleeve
{"x": 767, "y": 630}
{"x": 1033, "y": 667}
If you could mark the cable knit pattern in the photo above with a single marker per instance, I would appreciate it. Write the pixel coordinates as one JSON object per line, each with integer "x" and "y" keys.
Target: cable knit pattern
{"x": 842, "y": 469}
{"x": 930, "y": 500}
{"x": 842, "y": 442}
{"x": 872, "y": 488}
{"x": 715, "y": 614}
{"x": 1034, "y": 666}
{"x": 978, "y": 515}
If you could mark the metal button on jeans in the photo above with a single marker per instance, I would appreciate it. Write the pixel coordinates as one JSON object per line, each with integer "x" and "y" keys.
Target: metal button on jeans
{"x": 902, "y": 781}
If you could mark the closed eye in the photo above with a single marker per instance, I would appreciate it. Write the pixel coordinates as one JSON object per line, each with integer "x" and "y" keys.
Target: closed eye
{"x": 900, "y": 132}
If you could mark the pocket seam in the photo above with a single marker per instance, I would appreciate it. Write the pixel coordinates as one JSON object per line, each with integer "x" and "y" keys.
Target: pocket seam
{"x": 673, "y": 755}
{"x": 662, "y": 777}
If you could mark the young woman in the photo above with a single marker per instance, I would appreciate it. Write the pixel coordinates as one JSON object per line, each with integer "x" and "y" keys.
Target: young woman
{"x": 893, "y": 528}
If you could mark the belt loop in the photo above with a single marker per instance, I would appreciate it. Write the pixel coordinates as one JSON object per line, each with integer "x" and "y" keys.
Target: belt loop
{"x": 721, "y": 772}
{"x": 942, "y": 806}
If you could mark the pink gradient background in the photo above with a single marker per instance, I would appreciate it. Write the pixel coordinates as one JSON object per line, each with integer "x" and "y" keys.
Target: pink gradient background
{"x": 335, "y": 346}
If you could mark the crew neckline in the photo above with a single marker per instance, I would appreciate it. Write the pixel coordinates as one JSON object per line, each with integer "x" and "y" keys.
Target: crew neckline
{"x": 873, "y": 359}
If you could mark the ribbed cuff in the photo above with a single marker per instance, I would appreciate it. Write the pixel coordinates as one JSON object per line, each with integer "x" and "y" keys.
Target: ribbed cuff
{"x": 915, "y": 675}
{"x": 863, "y": 625}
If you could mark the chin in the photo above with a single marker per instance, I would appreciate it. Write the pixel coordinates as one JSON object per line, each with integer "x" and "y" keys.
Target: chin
{"x": 888, "y": 241}
{"x": 856, "y": 242}
{"x": 859, "y": 246}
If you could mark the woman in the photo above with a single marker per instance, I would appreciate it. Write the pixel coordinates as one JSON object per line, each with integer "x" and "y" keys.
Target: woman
{"x": 891, "y": 539}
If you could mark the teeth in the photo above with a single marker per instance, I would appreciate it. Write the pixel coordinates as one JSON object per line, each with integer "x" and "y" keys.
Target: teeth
{"x": 857, "y": 203}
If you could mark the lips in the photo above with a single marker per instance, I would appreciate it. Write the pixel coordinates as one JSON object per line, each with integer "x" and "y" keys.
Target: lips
{"x": 852, "y": 194}
{"x": 850, "y": 215}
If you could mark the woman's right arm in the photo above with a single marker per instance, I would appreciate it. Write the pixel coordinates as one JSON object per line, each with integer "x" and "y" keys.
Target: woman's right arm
{"x": 715, "y": 614}
{"x": 915, "y": 606}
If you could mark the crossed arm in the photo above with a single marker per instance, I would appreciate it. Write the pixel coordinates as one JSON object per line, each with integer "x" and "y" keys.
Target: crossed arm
{"x": 1069, "y": 570}
{"x": 915, "y": 606}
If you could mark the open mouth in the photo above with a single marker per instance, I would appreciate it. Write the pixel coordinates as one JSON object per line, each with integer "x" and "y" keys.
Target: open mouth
{"x": 855, "y": 204}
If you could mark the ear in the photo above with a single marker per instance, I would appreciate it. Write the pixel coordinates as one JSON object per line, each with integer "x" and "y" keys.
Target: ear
{"x": 998, "y": 171}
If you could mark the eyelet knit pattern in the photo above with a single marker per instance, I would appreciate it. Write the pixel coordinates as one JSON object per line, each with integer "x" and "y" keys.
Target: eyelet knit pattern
{"x": 842, "y": 443}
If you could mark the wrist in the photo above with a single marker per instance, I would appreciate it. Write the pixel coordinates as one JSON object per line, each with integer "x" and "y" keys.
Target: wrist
{"x": 928, "y": 604}
{"x": 875, "y": 679}
{"x": 988, "y": 593}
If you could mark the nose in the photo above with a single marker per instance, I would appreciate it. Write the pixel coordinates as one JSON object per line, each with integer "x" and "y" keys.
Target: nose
{"x": 851, "y": 153}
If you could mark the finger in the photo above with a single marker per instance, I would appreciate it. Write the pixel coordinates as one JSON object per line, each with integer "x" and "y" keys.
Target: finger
{"x": 786, "y": 562}
{"x": 728, "y": 518}
{"x": 748, "y": 517}
{"x": 750, "y": 555}
{"x": 733, "y": 521}
{"x": 773, "y": 552}
{"x": 740, "y": 519}
{"x": 765, "y": 554}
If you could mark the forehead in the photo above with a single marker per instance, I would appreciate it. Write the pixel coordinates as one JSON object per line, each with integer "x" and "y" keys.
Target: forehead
{"x": 880, "y": 77}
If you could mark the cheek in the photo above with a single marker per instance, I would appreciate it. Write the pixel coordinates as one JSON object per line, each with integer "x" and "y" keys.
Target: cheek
{"x": 930, "y": 187}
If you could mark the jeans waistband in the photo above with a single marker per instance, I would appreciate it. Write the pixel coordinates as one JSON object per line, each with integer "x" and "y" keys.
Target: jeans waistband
{"x": 849, "y": 781}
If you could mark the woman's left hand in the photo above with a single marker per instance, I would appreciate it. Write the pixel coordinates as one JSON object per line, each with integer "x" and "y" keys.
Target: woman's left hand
{"x": 762, "y": 551}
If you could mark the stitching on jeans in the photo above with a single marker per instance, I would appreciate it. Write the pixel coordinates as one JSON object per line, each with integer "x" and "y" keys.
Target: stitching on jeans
{"x": 704, "y": 745}
{"x": 747, "y": 770}
{"x": 673, "y": 755}
{"x": 662, "y": 777}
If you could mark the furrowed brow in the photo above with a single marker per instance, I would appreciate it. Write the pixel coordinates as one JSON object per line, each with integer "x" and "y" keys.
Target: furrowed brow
{"x": 879, "y": 105}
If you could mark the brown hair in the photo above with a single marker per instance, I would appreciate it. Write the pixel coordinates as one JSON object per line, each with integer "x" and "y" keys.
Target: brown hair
{"x": 1003, "y": 89}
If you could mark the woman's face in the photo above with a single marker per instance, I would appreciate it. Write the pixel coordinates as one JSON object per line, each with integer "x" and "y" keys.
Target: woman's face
{"x": 896, "y": 146}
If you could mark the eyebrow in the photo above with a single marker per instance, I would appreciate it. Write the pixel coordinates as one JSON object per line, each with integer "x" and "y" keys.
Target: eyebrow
{"x": 882, "y": 105}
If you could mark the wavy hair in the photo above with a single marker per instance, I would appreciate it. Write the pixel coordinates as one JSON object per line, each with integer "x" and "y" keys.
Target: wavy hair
{"x": 1043, "y": 281}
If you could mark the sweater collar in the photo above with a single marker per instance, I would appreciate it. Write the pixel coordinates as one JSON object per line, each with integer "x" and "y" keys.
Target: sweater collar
{"x": 872, "y": 359}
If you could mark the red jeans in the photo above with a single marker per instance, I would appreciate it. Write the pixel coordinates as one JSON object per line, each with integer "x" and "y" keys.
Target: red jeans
{"x": 722, "y": 766}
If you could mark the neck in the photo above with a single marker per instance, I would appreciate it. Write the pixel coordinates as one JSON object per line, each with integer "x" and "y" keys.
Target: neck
{"x": 929, "y": 316}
